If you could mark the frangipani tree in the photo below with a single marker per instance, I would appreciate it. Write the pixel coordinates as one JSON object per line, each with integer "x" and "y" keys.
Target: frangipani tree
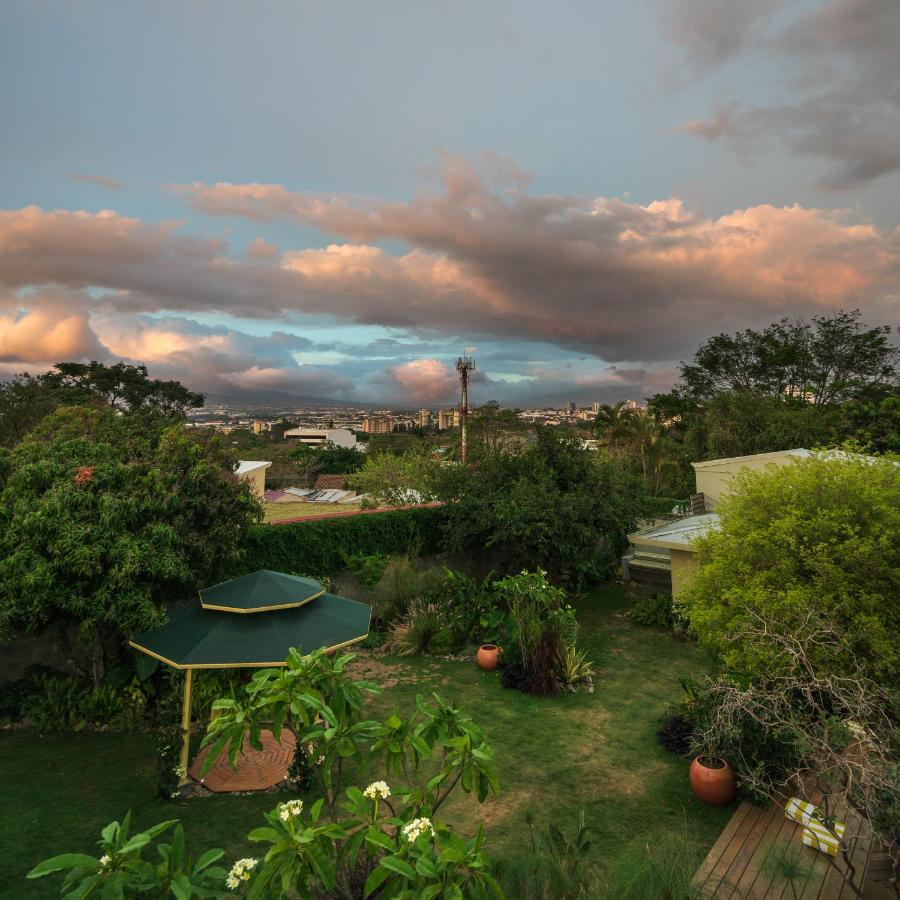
{"x": 384, "y": 840}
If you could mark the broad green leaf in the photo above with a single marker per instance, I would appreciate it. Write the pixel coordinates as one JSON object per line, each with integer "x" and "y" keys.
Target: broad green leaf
{"x": 64, "y": 861}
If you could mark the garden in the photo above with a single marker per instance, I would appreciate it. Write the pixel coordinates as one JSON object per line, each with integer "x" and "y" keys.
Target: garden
{"x": 515, "y": 722}
{"x": 576, "y": 754}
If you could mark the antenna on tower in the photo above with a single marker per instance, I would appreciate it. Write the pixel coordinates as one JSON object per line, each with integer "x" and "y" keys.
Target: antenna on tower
{"x": 464, "y": 365}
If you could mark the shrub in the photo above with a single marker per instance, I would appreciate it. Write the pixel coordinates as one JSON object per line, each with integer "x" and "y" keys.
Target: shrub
{"x": 676, "y": 735}
{"x": 655, "y": 609}
{"x": 818, "y": 537}
{"x": 53, "y": 703}
{"x": 320, "y": 545}
{"x": 367, "y": 567}
{"x": 470, "y": 607}
{"x": 575, "y": 667}
{"x": 550, "y": 503}
{"x": 399, "y": 585}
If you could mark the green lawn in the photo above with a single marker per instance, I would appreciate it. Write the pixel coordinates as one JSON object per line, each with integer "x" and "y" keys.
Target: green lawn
{"x": 557, "y": 755}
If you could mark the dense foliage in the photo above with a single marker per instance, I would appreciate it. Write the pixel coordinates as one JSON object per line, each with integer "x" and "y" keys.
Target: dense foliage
{"x": 321, "y": 546}
{"x": 550, "y": 503}
{"x": 327, "y": 459}
{"x": 819, "y": 537}
{"x": 106, "y": 517}
{"x": 394, "y": 479}
{"x": 26, "y": 399}
{"x": 799, "y": 594}
{"x": 793, "y": 384}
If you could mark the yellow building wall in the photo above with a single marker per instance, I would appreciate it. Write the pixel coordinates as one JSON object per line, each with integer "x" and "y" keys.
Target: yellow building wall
{"x": 713, "y": 481}
{"x": 684, "y": 565}
{"x": 257, "y": 481}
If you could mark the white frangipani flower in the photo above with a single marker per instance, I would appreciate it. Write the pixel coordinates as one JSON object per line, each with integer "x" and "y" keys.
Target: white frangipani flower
{"x": 240, "y": 871}
{"x": 290, "y": 810}
{"x": 413, "y": 830}
{"x": 377, "y": 789}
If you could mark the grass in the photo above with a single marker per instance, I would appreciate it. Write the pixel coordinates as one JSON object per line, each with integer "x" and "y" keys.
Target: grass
{"x": 557, "y": 755}
{"x": 281, "y": 512}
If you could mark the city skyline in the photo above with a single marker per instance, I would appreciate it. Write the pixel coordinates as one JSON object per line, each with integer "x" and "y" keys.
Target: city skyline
{"x": 329, "y": 203}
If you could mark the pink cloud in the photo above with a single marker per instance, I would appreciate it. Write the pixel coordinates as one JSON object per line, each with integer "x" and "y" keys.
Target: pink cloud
{"x": 425, "y": 381}
{"x": 47, "y": 328}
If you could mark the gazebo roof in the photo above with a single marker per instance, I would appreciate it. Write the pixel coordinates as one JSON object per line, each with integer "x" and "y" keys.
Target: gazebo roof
{"x": 200, "y": 638}
{"x": 261, "y": 591}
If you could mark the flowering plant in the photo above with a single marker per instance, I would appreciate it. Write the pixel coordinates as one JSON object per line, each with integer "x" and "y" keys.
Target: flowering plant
{"x": 121, "y": 870}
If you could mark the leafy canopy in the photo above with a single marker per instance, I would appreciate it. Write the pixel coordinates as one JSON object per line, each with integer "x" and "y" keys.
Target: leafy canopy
{"x": 817, "y": 538}
{"x": 397, "y": 479}
{"x": 793, "y": 384}
{"x": 549, "y": 504}
{"x": 26, "y": 399}
{"x": 104, "y": 517}
{"x": 828, "y": 360}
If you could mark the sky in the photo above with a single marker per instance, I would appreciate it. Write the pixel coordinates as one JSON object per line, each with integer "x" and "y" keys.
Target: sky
{"x": 330, "y": 202}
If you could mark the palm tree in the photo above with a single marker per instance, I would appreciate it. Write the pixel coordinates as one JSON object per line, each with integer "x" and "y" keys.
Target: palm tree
{"x": 638, "y": 434}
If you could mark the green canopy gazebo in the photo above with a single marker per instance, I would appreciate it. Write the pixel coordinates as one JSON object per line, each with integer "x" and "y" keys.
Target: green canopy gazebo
{"x": 252, "y": 622}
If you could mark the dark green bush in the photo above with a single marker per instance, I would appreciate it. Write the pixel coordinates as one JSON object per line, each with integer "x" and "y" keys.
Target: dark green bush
{"x": 367, "y": 567}
{"x": 320, "y": 545}
{"x": 655, "y": 609}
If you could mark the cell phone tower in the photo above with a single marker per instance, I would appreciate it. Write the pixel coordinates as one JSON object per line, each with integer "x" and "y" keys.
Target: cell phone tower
{"x": 464, "y": 365}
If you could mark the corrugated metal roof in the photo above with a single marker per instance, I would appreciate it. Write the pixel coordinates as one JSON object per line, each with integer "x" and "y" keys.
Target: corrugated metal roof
{"x": 677, "y": 535}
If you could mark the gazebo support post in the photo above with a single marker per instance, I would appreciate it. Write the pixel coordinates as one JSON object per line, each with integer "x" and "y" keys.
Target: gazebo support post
{"x": 186, "y": 725}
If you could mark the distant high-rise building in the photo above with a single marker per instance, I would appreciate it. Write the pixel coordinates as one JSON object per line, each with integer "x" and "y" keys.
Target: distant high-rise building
{"x": 378, "y": 424}
{"x": 424, "y": 418}
{"x": 259, "y": 426}
{"x": 448, "y": 418}
{"x": 595, "y": 406}
{"x": 630, "y": 404}
{"x": 572, "y": 406}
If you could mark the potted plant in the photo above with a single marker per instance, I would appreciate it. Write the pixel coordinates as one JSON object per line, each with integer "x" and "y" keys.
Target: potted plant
{"x": 712, "y": 779}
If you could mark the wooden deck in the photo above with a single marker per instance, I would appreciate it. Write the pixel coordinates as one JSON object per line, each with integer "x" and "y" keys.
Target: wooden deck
{"x": 743, "y": 862}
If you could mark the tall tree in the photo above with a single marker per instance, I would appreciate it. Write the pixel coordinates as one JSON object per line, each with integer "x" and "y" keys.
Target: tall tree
{"x": 828, "y": 360}
{"x": 105, "y": 518}
{"x": 795, "y": 383}
{"x": 26, "y": 399}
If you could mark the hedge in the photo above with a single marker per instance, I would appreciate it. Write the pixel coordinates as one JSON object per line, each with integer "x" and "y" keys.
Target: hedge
{"x": 317, "y": 547}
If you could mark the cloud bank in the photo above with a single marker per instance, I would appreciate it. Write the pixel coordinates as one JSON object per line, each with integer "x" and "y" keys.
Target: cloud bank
{"x": 636, "y": 287}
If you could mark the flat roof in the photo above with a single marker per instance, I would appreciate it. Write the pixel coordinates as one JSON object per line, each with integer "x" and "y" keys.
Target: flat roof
{"x": 250, "y": 465}
{"x": 676, "y": 535}
{"x": 798, "y": 451}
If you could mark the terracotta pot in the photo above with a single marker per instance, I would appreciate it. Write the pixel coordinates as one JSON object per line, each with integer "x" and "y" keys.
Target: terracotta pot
{"x": 716, "y": 785}
{"x": 488, "y": 657}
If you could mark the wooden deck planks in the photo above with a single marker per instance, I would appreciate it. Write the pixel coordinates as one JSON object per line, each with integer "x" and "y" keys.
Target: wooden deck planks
{"x": 736, "y": 866}
{"x": 743, "y": 860}
{"x": 704, "y": 873}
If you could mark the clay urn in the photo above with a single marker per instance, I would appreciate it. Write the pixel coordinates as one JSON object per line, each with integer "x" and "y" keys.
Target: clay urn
{"x": 712, "y": 780}
{"x": 488, "y": 657}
